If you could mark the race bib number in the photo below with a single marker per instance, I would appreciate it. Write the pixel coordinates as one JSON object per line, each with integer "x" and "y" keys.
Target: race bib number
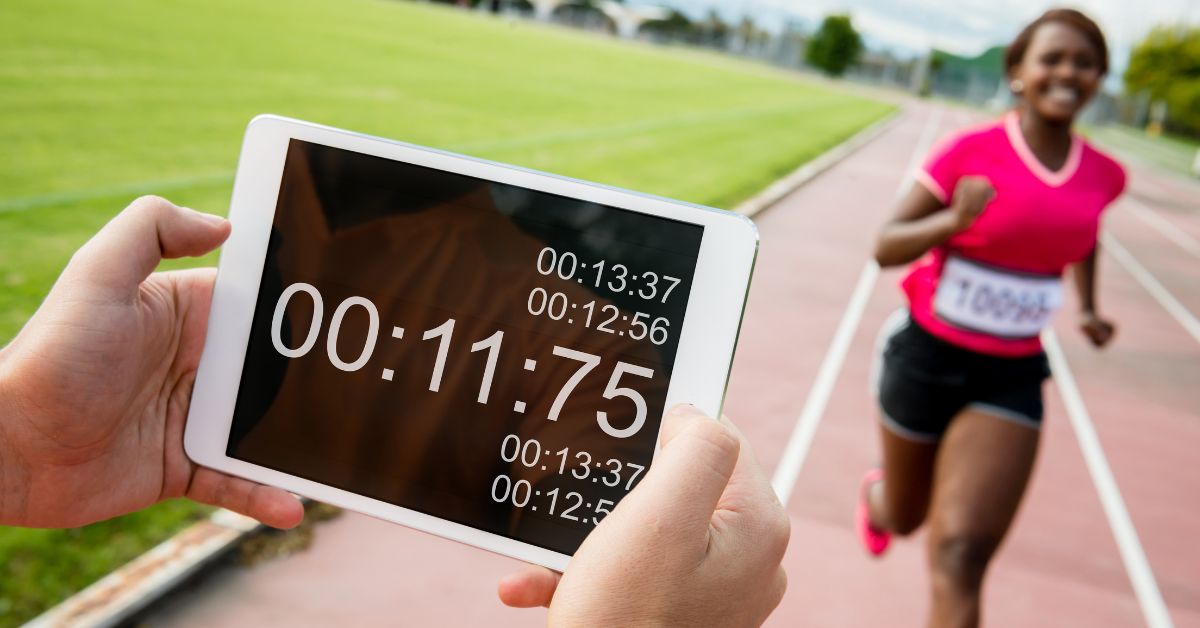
{"x": 995, "y": 301}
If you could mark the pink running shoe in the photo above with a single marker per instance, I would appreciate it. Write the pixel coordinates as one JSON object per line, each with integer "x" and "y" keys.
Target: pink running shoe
{"x": 875, "y": 540}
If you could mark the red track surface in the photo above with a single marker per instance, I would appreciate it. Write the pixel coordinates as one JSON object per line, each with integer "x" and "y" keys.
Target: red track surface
{"x": 1060, "y": 565}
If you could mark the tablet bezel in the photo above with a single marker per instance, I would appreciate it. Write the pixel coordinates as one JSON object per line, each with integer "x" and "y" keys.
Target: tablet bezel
{"x": 706, "y": 339}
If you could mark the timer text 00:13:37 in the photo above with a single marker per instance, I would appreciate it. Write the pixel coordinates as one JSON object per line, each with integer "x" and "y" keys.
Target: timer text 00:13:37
{"x": 529, "y": 453}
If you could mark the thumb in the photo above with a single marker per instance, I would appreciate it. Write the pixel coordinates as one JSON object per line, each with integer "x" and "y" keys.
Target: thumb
{"x": 126, "y": 250}
{"x": 532, "y": 586}
{"x": 690, "y": 473}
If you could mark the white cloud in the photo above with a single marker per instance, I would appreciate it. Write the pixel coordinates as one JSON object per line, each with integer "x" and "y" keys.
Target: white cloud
{"x": 964, "y": 27}
{"x": 960, "y": 26}
{"x": 894, "y": 32}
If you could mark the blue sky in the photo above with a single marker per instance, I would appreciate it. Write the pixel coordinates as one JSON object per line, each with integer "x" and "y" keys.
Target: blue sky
{"x": 960, "y": 26}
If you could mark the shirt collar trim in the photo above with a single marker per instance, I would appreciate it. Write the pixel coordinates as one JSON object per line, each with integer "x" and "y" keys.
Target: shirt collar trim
{"x": 1052, "y": 178}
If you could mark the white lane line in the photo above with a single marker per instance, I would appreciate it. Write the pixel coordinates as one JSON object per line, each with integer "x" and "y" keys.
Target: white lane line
{"x": 1152, "y": 285}
{"x": 1136, "y": 565}
{"x": 818, "y": 396}
{"x": 1165, "y": 227}
{"x": 801, "y": 439}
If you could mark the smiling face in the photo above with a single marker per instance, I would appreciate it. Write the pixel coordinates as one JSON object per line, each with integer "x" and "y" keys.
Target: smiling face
{"x": 1060, "y": 71}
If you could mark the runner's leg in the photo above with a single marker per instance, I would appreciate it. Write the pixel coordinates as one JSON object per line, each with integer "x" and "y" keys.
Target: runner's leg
{"x": 898, "y": 504}
{"x": 980, "y": 475}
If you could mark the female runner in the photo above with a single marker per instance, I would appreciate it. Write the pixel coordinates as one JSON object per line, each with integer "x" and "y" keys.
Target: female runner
{"x": 999, "y": 212}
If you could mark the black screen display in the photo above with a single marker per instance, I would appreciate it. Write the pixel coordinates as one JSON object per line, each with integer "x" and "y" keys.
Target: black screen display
{"x": 480, "y": 352}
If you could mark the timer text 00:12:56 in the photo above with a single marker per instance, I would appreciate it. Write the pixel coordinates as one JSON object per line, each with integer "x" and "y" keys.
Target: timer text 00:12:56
{"x": 558, "y": 306}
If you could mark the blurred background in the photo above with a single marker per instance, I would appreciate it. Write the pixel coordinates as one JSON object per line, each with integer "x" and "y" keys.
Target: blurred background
{"x": 704, "y": 100}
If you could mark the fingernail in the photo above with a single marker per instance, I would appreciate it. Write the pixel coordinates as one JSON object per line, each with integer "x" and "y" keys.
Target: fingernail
{"x": 686, "y": 409}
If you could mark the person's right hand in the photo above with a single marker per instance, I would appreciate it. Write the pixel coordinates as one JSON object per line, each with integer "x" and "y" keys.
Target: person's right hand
{"x": 971, "y": 196}
{"x": 95, "y": 388}
{"x": 1098, "y": 330}
{"x": 698, "y": 543}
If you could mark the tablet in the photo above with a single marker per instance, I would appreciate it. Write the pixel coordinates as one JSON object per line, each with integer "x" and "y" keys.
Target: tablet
{"x": 472, "y": 349}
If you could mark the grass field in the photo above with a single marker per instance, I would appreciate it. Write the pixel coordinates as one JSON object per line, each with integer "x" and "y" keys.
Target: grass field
{"x": 1175, "y": 154}
{"x": 102, "y": 101}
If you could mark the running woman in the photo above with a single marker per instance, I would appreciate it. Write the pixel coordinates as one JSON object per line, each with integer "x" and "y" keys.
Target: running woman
{"x": 998, "y": 213}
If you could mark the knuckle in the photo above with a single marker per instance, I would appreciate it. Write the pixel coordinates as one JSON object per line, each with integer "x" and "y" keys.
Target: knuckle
{"x": 150, "y": 204}
{"x": 147, "y": 200}
{"x": 781, "y": 530}
{"x": 779, "y": 588}
{"x": 229, "y": 496}
{"x": 717, "y": 436}
{"x": 776, "y": 533}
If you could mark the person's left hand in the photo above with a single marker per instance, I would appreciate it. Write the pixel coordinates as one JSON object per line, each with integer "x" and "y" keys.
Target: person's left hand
{"x": 1098, "y": 330}
{"x": 699, "y": 542}
{"x": 95, "y": 389}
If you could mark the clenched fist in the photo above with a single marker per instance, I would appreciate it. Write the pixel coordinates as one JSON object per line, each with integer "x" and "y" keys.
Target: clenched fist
{"x": 971, "y": 196}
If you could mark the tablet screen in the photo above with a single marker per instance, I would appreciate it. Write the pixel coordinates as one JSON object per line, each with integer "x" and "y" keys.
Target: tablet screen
{"x": 479, "y": 352}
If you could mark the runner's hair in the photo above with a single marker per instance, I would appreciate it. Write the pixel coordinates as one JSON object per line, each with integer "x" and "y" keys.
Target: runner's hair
{"x": 1080, "y": 22}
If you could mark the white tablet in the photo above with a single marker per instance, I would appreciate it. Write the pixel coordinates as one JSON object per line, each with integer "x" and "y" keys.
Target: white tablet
{"x": 471, "y": 349}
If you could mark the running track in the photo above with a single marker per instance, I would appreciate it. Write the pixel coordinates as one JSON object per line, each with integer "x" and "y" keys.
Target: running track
{"x": 1062, "y": 564}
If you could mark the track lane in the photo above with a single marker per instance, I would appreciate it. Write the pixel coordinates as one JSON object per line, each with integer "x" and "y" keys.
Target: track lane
{"x": 1142, "y": 396}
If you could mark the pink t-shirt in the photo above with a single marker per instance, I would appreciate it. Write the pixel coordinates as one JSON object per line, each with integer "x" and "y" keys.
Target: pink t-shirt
{"x": 1039, "y": 222}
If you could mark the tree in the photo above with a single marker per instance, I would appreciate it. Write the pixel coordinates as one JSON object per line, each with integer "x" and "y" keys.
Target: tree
{"x": 675, "y": 27}
{"x": 715, "y": 30}
{"x": 1166, "y": 65}
{"x": 835, "y": 46}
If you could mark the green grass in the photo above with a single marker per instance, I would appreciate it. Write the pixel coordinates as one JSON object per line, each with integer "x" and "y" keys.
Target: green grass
{"x": 101, "y": 101}
{"x": 1168, "y": 152}
{"x": 40, "y": 567}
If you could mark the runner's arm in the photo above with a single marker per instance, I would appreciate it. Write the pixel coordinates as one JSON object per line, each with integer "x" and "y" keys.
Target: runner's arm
{"x": 1098, "y": 330}
{"x": 1085, "y": 282}
{"x": 920, "y": 225}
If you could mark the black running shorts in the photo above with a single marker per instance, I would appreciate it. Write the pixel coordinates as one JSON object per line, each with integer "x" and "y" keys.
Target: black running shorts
{"x": 925, "y": 381}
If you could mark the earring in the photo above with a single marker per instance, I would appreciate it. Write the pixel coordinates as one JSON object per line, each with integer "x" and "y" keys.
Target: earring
{"x": 1016, "y": 85}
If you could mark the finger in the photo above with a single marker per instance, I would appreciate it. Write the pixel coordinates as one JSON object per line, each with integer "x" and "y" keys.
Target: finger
{"x": 272, "y": 506}
{"x": 672, "y": 424}
{"x": 763, "y": 526}
{"x": 130, "y": 246}
{"x": 686, "y": 480}
{"x": 748, "y": 477}
{"x": 193, "y": 289}
{"x": 532, "y": 586}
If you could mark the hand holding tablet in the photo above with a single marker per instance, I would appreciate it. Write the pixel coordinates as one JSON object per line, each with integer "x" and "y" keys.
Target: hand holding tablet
{"x": 699, "y": 543}
{"x": 94, "y": 390}
{"x": 471, "y": 349}
{"x": 475, "y": 350}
